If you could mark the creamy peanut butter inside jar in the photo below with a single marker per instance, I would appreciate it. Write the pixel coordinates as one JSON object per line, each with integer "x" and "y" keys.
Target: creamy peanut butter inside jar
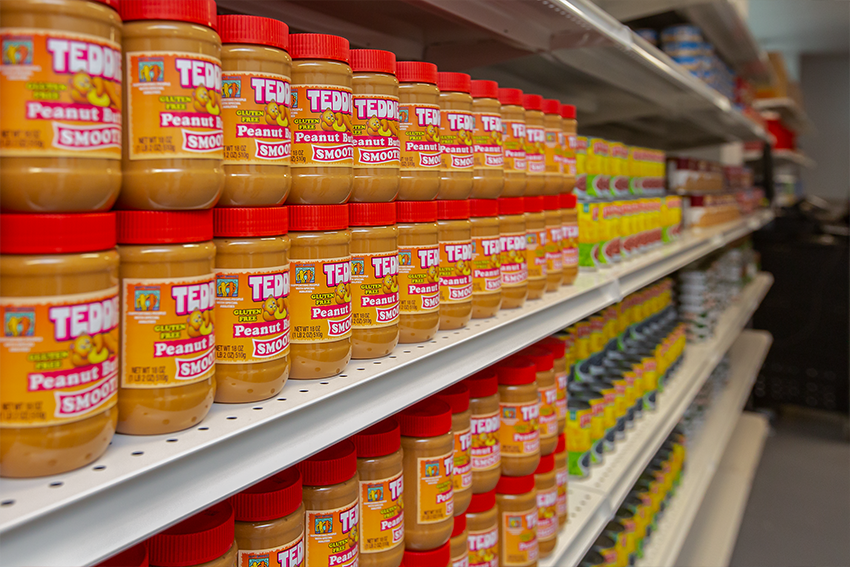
{"x": 553, "y": 129}
{"x": 513, "y": 142}
{"x": 455, "y": 263}
{"x": 203, "y": 540}
{"x": 419, "y": 131}
{"x": 457, "y": 124}
{"x": 418, "y": 277}
{"x": 487, "y": 141}
{"x": 519, "y": 406}
{"x": 535, "y": 139}
{"x": 486, "y": 257}
{"x": 485, "y": 450}
{"x": 457, "y": 396}
{"x": 514, "y": 261}
{"x": 547, "y": 394}
{"x": 516, "y": 500}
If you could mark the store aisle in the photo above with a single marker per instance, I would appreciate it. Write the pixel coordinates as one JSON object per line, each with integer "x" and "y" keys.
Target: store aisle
{"x": 799, "y": 507}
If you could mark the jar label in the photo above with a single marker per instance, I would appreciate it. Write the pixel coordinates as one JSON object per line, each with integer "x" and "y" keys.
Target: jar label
{"x": 513, "y": 136}
{"x": 333, "y": 537}
{"x": 382, "y": 514}
{"x": 288, "y": 555}
{"x": 174, "y": 105}
{"x": 321, "y": 300}
{"x": 375, "y": 297}
{"x": 61, "y": 94}
{"x": 251, "y": 314}
{"x": 419, "y": 134}
{"x": 547, "y": 514}
{"x": 554, "y": 252}
{"x": 321, "y": 126}
{"x": 570, "y": 167}
{"x": 579, "y": 441}
{"x": 418, "y": 278}
{"x": 255, "y": 109}
{"x": 462, "y": 561}
{"x": 519, "y": 538}
{"x": 561, "y": 400}
{"x": 588, "y": 241}
{"x": 561, "y": 479}
{"x": 548, "y": 411}
{"x": 535, "y": 141}
{"x": 553, "y": 153}
{"x": 487, "y": 141}
{"x": 462, "y": 466}
{"x": 570, "y": 244}
{"x": 59, "y": 357}
{"x": 535, "y": 249}
{"x": 167, "y": 331}
{"x": 455, "y": 271}
{"x": 456, "y": 130}
{"x": 375, "y": 129}
{"x": 486, "y": 449}
{"x": 435, "y": 502}
{"x": 514, "y": 266}
{"x": 486, "y": 261}
{"x": 484, "y": 547}
{"x": 519, "y": 434}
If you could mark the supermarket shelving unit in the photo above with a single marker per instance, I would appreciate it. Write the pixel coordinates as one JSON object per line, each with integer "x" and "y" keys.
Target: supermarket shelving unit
{"x": 784, "y": 157}
{"x": 792, "y": 113}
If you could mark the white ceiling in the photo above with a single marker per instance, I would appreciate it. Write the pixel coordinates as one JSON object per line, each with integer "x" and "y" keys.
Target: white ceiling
{"x": 801, "y": 26}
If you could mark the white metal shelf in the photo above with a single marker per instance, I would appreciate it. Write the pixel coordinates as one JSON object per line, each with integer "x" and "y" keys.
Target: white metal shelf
{"x": 617, "y": 475}
{"x": 784, "y": 156}
{"x": 143, "y": 484}
{"x": 793, "y": 115}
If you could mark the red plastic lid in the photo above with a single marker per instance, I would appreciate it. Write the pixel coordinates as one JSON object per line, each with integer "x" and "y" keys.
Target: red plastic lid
{"x": 562, "y": 443}
{"x": 371, "y": 214}
{"x": 429, "y": 418}
{"x": 483, "y": 207}
{"x": 460, "y": 525}
{"x": 372, "y": 61}
{"x": 510, "y": 97}
{"x": 56, "y": 234}
{"x": 551, "y": 202}
{"x": 193, "y": 11}
{"x": 547, "y": 464}
{"x": 542, "y": 357}
{"x": 433, "y": 558}
{"x": 554, "y": 345}
{"x": 271, "y": 499}
{"x": 383, "y": 438}
{"x": 205, "y": 536}
{"x": 318, "y": 217}
{"x": 568, "y": 201}
{"x": 164, "y": 227}
{"x": 334, "y": 465}
{"x": 551, "y": 106}
{"x": 136, "y": 556}
{"x": 516, "y": 370}
{"x": 416, "y": 211}
{"x": 532, "y": 102}
{"x": 483, "y": 384}
{"x": 416, "y": 72}
{"x": 511, "y": 205}
{"x": 533, "y": 204}
{"x": 318, "y": 46}
{"x": 454, "y": 82}
{"x": 515, "y": 484}
{"x": 457, "y": 396}
{"x": 568, "y": 111}
{"x": 482, "y": 502}
{"x": 451, "y": 210}
{"x": 253, "y": 30}
{"x": 114, "y": 5}
{"x": 484, "y": 89}
{"x": 248, "y": 222}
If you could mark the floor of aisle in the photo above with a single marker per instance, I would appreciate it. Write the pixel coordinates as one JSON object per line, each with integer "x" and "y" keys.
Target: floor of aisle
{"x": 798, "y": 513}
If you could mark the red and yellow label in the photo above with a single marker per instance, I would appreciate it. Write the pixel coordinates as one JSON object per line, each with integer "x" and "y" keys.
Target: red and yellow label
{"x": 561, "y": 479}
{"x": 435, "y": 502}
{"x": 535, "y": 152}
{"x": 519, "y": 433}
{"x": 569, "y": 144}
{"x": 514, "y": 266}
{"x": 333, "y": 538}
{"x": 287, "y": 555}
{"x": 374, "y": 282}
{"x": 321, "y": 126}
{"x": 456, "y": 128}
{"x": 547, "y": 514}
{"x": 462, "y": 466}
{"x": 519, "y": 538}
{"x": 570, "y": 244}
{"x": 252, "y": 315}
{"x": 487, "y": 141}
{"x": 513, "y": 145}
{"x": 381, "y": 514}
{"x": 61, "y": 94}
{"x": 548, "y": 421}
{"x": 59, "y": 357}
{"x": 553, "y": 152}
{"x": 320, "y": 309}
{"x": 419, "y": 135}
{"x": 485, "y": 448}
{"x": 174, "y": 105}
{"x": 375, "y": 129}
{"x": 535, "y": 249}
{"x": 257, "y": 121}
{"x": 455, "y": 271}
{"x": 462, "y": 560}
{"x": 483, "y": 547}
{"x": 486, "y": 265}
{"x": 418, "y": 278}
{"x": 553, "y": 251}
{"x": 167, "y": 331}
{"x": 562, "y": 395}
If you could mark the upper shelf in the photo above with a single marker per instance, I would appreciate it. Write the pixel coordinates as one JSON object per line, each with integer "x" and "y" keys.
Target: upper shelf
{"x": 792, "y": 113}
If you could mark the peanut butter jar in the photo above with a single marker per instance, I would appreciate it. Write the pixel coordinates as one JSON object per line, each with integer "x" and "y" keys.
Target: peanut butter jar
{"x": 569, "y": 217}
{"x": 428, "y": 445}
{"x": 270, "y": 520}
{"x": 51, "y": 266}
{"x": 374, "y": 279}
{"x": 167, "y": 372}
{"x": 256, "y": 96}
{"x": 516, "y": 499}
{"x": 457, "y": 124}
{"x": 419, "y": 264}
{"x": 486, "y": 258}
{"x": 61, "y": 147}
{"x": 379, "y": 463}
{"x": 455, "y": 263}
{"x": 377, "y": 156}
{"x": 331, "y": 500}
{"x": 513, "y": 142}
{"x": 322, "y": 140}
{"x": 519, "y": 406}
{"x": 136, "y": 556}
{"x": 562, "y": 476}
{"x": 438, "y": 557}
{"x": 457, "y": 396}
{"x": 552, "y": 125}
{"x": 320, "y": 280}
{"x": 554, "y": 239}
{"x": 204, "y": 540}
{"x": 557, "y": 347}
{"x": 252, "y": 302}
{"x": 514, "y": 266}
{"x": 569, "y": 145}
{"x": 482, "y": 525}
{"x": 535, "y": 140}
{"x": 535, "y": 246}
{"x": 547, "y": 505}
{"x": 459, "y": 549}
{"x": 419, "y": 131}
{"x": 172, "y": 151}
{"x": 548, "y": 395}
{"x": 485, "y": 446}
{"x": 489, "y": 163}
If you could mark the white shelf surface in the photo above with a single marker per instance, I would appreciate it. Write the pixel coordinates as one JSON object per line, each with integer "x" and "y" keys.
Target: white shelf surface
{"x": 747, "y": 355}
{"x": 617, "y": 475}
{"x": 792, "y": 114}
{"x": 143, "y": 484}
{"x": 784, "y": 156}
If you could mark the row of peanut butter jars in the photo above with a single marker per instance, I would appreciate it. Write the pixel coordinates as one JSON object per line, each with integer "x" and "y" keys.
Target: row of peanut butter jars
{"x": 176, "y": 108}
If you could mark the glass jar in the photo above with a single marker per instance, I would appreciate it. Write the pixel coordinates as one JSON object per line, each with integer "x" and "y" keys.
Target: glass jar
{"x": 514, "y": 267}
{"x": 322, "y": 171}
{"x": 455, "y": 263}
{"x": 486, "y": 258}
{"x": 569, "y": 145}
{"x": 513, "y": 142}
{"x": 484, "y": 425}
{"x": 252, "y": 275}
{"x": 167, "y": 297}
{"x": 419, "y": 264}
{"x": 482, "y": 523}
{"x": 320, "y": 269}
{"x": 557, "y": 347}
{"x": 457, "y": 125}
{"x": 179, "y": 543}
{"x": 548, "y": 395}
{"x": 489, "y": 163}
{"x": 516, "y": 499}
{"x": 459, "y": 549}
{"x": 419, "y": 131}
{"x": 519, "y": 406}
{"x": 547, "y": 505}
{"x": 535, "y": 140}
{"x": 569, "y": 216}
{"x": 554, "y": 241}
{"x": 535, "y": 247}
{"x": 554, "y": 176}
{"x": 562, "y": 475}
{"x": 457, "y": 396}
